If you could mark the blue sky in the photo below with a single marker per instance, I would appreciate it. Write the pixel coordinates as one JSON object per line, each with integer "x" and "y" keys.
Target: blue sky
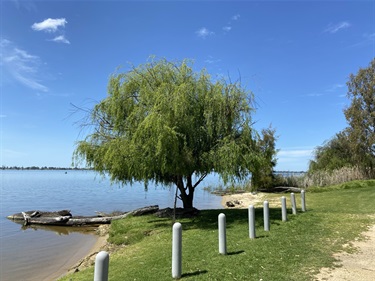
{"x": 295, "y": 56}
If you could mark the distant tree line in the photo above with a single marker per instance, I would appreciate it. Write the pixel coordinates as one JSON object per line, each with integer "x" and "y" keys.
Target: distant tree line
{"x": 39, "y": 168}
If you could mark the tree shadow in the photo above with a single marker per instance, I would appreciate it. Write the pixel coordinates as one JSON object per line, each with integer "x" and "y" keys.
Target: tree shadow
{"x": 195, "y": 273}
{"x": 208, "y": 219}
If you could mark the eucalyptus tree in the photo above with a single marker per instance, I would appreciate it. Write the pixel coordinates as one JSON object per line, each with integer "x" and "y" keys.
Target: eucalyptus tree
{"x": 360, "y": 115}
{"x": 163, "y": 122}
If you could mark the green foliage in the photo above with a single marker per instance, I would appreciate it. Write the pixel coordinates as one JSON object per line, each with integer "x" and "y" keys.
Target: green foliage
{"x": 262, "y": 174}
{"x": 165, "y": 123}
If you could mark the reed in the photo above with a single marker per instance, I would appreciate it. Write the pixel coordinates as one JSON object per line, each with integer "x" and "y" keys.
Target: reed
{"x": 337, "y": 176}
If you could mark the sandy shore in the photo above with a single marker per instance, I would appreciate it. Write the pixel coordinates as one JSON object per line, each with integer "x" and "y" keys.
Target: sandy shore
{"x": 87, "y": 258}
{"x": 357, "y": 266}
{"x": 243, "y": 200}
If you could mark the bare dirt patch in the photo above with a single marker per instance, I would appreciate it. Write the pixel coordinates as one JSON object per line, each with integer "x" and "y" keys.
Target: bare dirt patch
{"x": 357, "y": 266}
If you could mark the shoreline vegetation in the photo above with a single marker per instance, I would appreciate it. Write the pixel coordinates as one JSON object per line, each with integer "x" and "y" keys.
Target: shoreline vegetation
{"x": 336, "y": 217}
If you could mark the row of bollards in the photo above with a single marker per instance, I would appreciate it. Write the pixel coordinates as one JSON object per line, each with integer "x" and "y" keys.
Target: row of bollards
{"x": 102, "y": 258}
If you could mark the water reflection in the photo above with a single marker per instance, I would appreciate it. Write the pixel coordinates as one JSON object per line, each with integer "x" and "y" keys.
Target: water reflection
{"x": 59, "y": 230}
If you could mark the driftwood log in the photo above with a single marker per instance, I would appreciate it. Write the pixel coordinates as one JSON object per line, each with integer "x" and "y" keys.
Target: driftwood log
{"x": 65, "y": 218}
{"x": 282, "y": 189}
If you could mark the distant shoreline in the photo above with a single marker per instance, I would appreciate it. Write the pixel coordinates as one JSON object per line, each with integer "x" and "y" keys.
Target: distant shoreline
{"x": 44, "y": 168}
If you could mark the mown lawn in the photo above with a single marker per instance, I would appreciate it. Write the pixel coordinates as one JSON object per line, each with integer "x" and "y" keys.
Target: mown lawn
{"x": 292, "y": 250}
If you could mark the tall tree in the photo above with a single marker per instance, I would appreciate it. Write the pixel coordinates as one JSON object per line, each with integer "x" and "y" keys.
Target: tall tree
{"x": 165, "y": 123}
{"x": 360, "y": 116}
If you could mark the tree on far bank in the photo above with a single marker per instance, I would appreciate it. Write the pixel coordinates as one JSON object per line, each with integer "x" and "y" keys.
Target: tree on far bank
{"x": 162, "y": 122}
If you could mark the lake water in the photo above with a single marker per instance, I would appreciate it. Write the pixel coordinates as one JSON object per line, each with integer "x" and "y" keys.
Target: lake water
{"x": 35, "y": 253}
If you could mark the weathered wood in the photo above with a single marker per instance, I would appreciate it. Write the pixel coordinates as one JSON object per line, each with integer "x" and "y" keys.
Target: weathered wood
{"x": 64, "y": 217}
{"x": 282, "y": 189}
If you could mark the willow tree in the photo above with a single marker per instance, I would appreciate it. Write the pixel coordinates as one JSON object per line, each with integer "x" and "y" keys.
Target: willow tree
{"x": 162, "y": 122}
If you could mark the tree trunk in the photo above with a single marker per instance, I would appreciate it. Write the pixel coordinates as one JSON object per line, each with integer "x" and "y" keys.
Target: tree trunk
{"x": 186, "y": 198}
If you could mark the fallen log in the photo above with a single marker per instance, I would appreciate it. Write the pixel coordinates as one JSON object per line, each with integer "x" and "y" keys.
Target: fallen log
{"x": 65, "y": 218}
{"x": 281, "y": 189}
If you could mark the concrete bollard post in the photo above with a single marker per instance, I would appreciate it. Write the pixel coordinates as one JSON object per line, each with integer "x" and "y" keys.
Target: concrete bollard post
{"x": 222, "y": 234}
{"x": 294, "y": 205}
{"x": 283, "y": 209}
{"x": 303, "y": 202}
{"x": 177, "y": 250}
{"x": 251, "y": 222}
{"x": 101, "y": 266}
{"x": 266, "y": 216}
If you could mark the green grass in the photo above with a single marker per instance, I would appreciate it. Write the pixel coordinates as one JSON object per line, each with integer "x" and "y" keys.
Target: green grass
{"x": 292, "y": 250}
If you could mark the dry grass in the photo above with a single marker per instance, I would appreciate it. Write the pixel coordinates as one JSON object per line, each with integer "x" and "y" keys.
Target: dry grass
{"x": 326, "y": 178}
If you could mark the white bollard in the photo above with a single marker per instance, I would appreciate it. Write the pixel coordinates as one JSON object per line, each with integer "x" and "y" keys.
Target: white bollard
{"x": 303, "y": 202}
{"x": 101, "y": 266}
{"x": 177, "y": 250}
{"x": 283, "y": 209}
{"x": 222, "y": 234}
{"x": 294, "y": 205}
{"x": 251, "y": 222}
{"x": 266, "y": 216}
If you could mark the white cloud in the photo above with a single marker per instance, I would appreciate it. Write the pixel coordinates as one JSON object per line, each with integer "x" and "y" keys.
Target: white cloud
{"x": 212, "y": 60}
{"x": 236, "y": 17}
{"x": 335, "y": 87}
{"x": 204, "y": 33}
{"x": 60, "y": 39}
{"x": 49, "y": 25}
{"x": 3, "y": 116}
{"x": 333, "y": 28}
{"x": 227, "y": 28}
{"x": 21, "y": 65}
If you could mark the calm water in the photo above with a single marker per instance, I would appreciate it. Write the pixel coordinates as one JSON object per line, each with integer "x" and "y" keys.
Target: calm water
{"x": 32, "y": 253}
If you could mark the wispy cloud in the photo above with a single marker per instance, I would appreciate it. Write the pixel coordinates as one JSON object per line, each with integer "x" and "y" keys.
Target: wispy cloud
{"x": 21, "y": 65}
{"x": 335, "y": 87}
{"x": 60, "y": 39}
{"x": 294, "y": 159}
{"x": 28, "y": 5}
{"x": 333, "y": 28}
{"x": 228, "y": 27}
{"x": 236, "y": 17}
{"x": 3, "y": 116}
{"x": 212, "y": 60}
{"x": 367, "y": 38}
{"x": 49, "y": 25}
{"x": 293, "y": 153}
{"x": 204, "y": 33}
